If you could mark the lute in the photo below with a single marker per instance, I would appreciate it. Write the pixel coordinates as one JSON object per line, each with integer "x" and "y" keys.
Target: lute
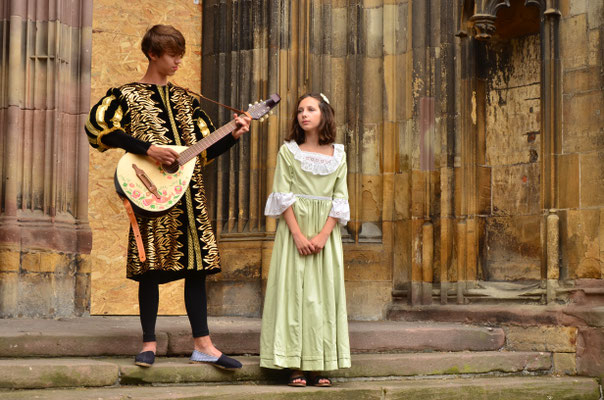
{"x": 153, "y": 188}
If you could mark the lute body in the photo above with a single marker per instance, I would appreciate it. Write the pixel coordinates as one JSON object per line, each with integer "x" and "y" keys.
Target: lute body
{"x": 153, "y": 188}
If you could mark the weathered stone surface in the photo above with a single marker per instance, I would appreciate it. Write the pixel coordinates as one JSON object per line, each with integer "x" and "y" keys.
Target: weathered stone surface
{"x": 178, "y": 371}
{"x": 513, "y": 249}
{"x": 10, "y": 260}
{"x": 573, "y": 48}
{"x": 584, "y": 120}
{"x": 542, "y": 338}
{"x": 52, "y": 373}
{"x": 592, "y": 176}
{"x": 569, "y": 182}
{"x": 98, "y": 336}
{"x": 369, "y": 299}
{"x": 565, "y": 363}
{"x": 234, "y": 297}
{"x": 372, "y": 197}
{"x": 578, "y": 7}
{"x": 595, "y": 14}
{"x": 513, "y": 121}
{"x": 394, "y": 337}
{"x": 580, "y": 243}
{"x": 581, "y": 80}
{"x": 502, "y": 314}
{"x": 500, "y": 388}
{"x": 590, "y": 352}
{"x": 76, "y": 372}
{"x": 516, "y": 189}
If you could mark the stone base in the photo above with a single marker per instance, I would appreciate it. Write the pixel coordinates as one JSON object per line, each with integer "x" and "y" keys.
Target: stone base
{"x": 43, "y": 284}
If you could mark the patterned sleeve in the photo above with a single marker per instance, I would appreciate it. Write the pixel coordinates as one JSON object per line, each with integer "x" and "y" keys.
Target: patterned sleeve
{"x": 108, "y": 115}
{"x": 340, "y": 208}
{"x": 281, "y": 197}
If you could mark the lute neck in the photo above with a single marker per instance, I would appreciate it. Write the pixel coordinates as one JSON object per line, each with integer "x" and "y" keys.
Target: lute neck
{"x": 194, "y": 150}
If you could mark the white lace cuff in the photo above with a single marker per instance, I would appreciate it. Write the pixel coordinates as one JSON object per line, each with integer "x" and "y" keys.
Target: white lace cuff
{"x": 277, "y": 203}
{"x": 340, "y": 210}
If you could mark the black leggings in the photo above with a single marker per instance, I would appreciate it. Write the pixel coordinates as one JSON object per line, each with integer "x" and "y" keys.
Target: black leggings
{"x": 195, "y": 303}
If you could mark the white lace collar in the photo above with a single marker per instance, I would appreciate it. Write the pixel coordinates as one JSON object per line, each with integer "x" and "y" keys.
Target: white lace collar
{"x": 316, "y": 163}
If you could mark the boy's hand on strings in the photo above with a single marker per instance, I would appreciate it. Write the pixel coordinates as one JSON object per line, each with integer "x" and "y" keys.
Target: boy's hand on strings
{"x": 243, "y": 125}
{"x": 305, "y": 247}
{"x": 162, "y": 155}
{"x": 319, "y": 242}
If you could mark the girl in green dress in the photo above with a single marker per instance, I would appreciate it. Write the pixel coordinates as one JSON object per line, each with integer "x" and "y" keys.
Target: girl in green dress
{"x": 304, "y": 323}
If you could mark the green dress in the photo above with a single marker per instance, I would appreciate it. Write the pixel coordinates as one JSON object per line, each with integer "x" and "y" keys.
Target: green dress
{"x": 304, "y": 323}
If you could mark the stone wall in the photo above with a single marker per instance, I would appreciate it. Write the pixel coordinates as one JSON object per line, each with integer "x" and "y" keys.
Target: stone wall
{"x": 581, "y": 159}
{"x": 44, "y": 85}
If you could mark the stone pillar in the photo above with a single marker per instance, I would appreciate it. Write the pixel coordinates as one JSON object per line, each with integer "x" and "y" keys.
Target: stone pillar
{"x": 551, "y": 146}
{"x": 44, "y": 228}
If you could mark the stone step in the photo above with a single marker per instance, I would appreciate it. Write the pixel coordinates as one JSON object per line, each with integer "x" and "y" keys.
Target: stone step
{"x": 61, "y": 372}
{"x": 120, "y": 336}
{"x": 482, "y": 388}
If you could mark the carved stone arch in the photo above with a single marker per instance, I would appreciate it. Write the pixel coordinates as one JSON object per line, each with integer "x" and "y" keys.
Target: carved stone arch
{"x": 490, "y": 7}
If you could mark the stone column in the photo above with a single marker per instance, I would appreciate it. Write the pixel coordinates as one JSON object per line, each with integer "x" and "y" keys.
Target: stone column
{"x": 44, "y": 222}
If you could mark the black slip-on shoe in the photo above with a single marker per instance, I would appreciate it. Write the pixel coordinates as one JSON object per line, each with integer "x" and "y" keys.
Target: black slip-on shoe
{"x": 145, "y": 359}
{"x": 226, "y": 362}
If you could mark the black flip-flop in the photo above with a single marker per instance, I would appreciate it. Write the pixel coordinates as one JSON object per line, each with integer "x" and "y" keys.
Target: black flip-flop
{"x": 315, "y": 380}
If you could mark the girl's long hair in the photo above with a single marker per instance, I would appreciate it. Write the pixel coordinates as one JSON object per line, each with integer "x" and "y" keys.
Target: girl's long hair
{"x": 326, "y": 128}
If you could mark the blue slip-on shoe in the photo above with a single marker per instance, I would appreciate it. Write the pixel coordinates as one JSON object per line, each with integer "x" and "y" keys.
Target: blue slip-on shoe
{"x": 145, "y": 359}
{"x": 223, "y": 361}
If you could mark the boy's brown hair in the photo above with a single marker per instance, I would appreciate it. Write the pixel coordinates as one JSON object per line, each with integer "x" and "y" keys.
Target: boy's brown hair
{"x": 326, "y": 128}
{"x": 160, "y": 39}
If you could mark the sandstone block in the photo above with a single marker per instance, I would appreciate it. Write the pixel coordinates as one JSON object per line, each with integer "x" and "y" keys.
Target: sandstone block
{"x": 9, "y": 294}
{"x": 581, "y": 80}
{"x": 580, "y": 244}
{"x": 583, "y": 121}
{"x": 595, "y": 14}
{"x": 592, "y": 176}
{"x": 573, "y": 48}
{"x": 560, "y": 339}
{"x": 565, "y": 363}
{"x": 31, "y": 374}
{"x": 516, "y": 189}
{"x": 402, "y": 200}
{"x": 242, "y": 298}
{"x": 372, "y": 197}
{"x": 372, "y": 43}
{"x": 30, "y": 261}
{"x": 590, "y": 352}
{"x": 366, "y": 263}
{"x": 578, "y": 7}
{"x": 595, "y": 53}
{"x": 368, "y": 300}
{"x": 54, "y": 262}
{"x": 373, "y": 85}
{"x": 10, "y": 260}
{"x": 338, "y": 31}
{"x": 568, "y": 182}
{"x": 513, "y": 250}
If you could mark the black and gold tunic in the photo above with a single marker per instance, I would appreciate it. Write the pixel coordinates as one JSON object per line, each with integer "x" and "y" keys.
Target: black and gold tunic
{"x": 181, "y": 241}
